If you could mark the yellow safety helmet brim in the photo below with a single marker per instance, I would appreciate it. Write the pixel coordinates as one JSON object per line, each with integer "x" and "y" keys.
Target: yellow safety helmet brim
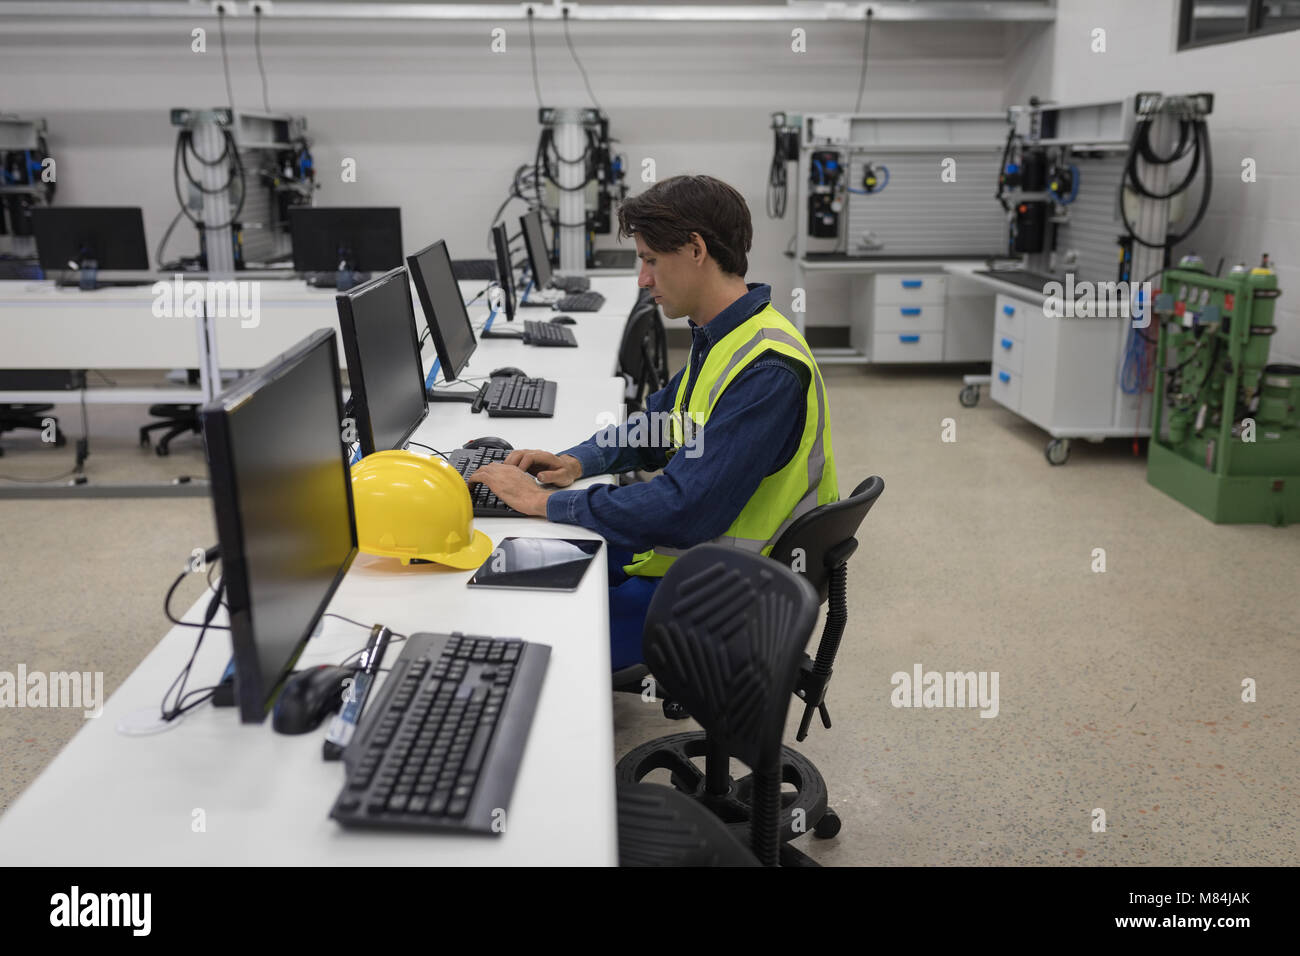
{"x": 466, "y": 558}
{"x": 410, "y": 507}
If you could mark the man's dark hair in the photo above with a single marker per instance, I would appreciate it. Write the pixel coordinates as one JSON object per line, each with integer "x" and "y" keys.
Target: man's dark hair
{"x": 667, "y": 213}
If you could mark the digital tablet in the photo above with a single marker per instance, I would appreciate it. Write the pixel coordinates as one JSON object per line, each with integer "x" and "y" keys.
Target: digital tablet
{"x": 537, "y": 564}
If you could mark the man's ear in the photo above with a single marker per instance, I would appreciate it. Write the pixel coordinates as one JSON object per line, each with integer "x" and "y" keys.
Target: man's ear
{"x": 699, "y": 249}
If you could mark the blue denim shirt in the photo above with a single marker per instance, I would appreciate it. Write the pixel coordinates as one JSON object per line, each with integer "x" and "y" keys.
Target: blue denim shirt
{"x": 753, "y": 432}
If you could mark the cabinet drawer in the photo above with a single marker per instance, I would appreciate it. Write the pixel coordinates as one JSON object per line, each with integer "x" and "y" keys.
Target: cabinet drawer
{"x": 902, "y": 288}
{"x": 911, "y": 317}
{"x": 907, "y": 347}
{"x": 1005, "y": 387}
{"x": 1012, "y": 316}
{"x": 1009, "y": 353}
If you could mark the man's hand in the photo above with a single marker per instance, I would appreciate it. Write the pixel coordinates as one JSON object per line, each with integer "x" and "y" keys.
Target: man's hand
{"x": 515, "y": 487}
{"x": 558, "y": 470}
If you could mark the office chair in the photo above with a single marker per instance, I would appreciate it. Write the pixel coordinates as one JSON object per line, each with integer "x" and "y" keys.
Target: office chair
{"x": 818, "y": 545}
{"x": 176, "y": 418}
{"x": 726, "y": 630}
{"x": 643, "y": 353}
{"x": 14, "y": 417}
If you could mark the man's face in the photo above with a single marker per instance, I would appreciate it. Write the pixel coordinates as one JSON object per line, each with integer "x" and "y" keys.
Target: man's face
{"x": 671, "y": 276}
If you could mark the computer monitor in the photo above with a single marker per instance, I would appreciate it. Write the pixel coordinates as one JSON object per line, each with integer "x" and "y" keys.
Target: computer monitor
{"x": 341, "y": 239}
{"x": 444, "y": 309}
{"x": 505, "y": 268}
{"x": 538, "y": 254}
{"x": 110, "y": 236}
{"x": 282, "y": 497}
{"x": 383, "y": 356}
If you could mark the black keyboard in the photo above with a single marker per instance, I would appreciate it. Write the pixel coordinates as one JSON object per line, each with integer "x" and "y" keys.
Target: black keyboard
{"x": 486, "y": 503}
{"x": 440, "y": 747}
{"x": 480, "y": 269}
{"x": 548, "y": 335}
{"x": 571, "y": 283}
{"x": 516, "y": 397}
{"x": 581, "y": 302}
{"x": 73, "y": 283}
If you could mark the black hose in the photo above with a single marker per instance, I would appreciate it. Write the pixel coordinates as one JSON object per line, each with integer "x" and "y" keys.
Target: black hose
{"x": 1140, "y": 143}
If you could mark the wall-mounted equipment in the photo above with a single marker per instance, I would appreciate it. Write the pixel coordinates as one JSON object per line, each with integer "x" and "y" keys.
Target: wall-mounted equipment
{"x": 258, "y": 167}
{"x": 878, "y": 185}
{"x": 27, "y": 181}
{"x": 785, "y": 149}
{"x": 826, "y": 189}
{"x": 578, "y": 177}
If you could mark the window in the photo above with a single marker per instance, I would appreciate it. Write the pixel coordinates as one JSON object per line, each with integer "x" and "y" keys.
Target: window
{"x": 1202, "y": 22}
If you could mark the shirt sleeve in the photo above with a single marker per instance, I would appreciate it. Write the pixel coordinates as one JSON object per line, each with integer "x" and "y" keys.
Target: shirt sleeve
{"x": 753, "y": 432}
{"x": 608, "y": 451}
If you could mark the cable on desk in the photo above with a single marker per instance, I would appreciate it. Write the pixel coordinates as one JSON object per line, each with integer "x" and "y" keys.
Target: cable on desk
{"x": 436, "y": 452}
{"x": 182, "y": 702}
{"x": 167, "y": 601}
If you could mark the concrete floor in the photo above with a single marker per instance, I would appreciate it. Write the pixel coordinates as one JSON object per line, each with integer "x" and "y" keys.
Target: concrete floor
{"x": 1118, "y": 690}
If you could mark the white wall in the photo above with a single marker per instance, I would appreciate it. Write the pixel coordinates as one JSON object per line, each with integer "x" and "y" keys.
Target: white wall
{"x": 1256, "y": 85}
{"x": 438, "y": 123}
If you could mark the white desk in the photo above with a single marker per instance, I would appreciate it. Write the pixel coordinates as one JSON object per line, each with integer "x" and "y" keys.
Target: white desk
{"x": 110, "y": 800}
{"x": 43, "y": 326}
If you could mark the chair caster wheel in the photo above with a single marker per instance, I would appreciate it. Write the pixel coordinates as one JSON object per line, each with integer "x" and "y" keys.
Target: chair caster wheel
{"x": 674, "y": 711}
{"x": 828, "y": 826}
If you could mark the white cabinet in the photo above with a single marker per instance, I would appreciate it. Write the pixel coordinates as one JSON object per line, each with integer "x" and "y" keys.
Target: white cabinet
{"x": 914, "y": 317}
{"x": 1046, "y": 368}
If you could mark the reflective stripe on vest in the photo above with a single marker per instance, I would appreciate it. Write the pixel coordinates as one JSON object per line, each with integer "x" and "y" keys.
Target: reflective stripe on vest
{"x": 819, "y": 485}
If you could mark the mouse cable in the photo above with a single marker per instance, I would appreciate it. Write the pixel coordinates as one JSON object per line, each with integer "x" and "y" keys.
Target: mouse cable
{"x": 436, "y": 452}
{"x": 167, "y": 604}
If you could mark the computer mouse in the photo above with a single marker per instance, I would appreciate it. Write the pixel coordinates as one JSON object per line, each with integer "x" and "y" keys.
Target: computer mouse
{"x": 508, "y": 371}
{"x": 488, "y": 441}
{"x": 564, "y": 320}
{"x": 309, "y": 697}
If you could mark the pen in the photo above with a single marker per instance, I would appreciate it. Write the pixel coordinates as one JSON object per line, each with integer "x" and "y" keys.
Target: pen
{"x": 344, "y": 725}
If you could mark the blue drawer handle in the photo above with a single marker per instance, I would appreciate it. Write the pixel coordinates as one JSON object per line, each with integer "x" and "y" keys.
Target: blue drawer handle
{"x": 1008, "y": 310}
{"x": 911, "y": 283}
{"x": 911, "y": 311}
{"x": 1006, "y": 344}
{"x": 1004, "y": 376}
{"x": 909, "y": 338}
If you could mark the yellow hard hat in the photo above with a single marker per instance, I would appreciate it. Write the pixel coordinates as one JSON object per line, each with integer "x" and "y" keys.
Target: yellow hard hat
{"x": 409, "y": 506}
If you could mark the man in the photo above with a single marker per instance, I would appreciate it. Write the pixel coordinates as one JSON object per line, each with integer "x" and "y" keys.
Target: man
{"x": 748, "y": 447}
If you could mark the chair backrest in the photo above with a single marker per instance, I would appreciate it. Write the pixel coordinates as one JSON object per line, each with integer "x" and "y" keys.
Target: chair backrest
{"x": 725, "y": 634}
{"x": 823, "y": 539}
{"x": 639, "y": 352}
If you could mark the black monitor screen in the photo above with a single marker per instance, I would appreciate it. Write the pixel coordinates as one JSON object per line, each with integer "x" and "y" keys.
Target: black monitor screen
{"x": 112, "y": 236}
{"x": 383, "y": 355}
{"x": 505, "y": 269}
{"x": 282, "y": 497}
{"x": 538, "y": 254}
{"x": 363, "y": 239}
{"x": 444, "y": 309}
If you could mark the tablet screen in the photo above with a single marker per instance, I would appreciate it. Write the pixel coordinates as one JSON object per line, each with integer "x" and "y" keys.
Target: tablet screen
{"x": 542, "y": 564}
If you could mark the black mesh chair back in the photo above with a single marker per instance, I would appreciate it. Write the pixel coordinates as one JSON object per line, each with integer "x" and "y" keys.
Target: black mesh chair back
{"x": 725, "y": 633}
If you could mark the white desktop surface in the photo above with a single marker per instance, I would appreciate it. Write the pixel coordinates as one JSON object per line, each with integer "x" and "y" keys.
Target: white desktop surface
{"x": 114, "y": 800}
{"x": 43, "y": 326}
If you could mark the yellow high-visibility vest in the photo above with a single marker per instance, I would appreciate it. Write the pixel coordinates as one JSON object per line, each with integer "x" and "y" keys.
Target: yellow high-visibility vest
{"x": 806, "y": 481}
